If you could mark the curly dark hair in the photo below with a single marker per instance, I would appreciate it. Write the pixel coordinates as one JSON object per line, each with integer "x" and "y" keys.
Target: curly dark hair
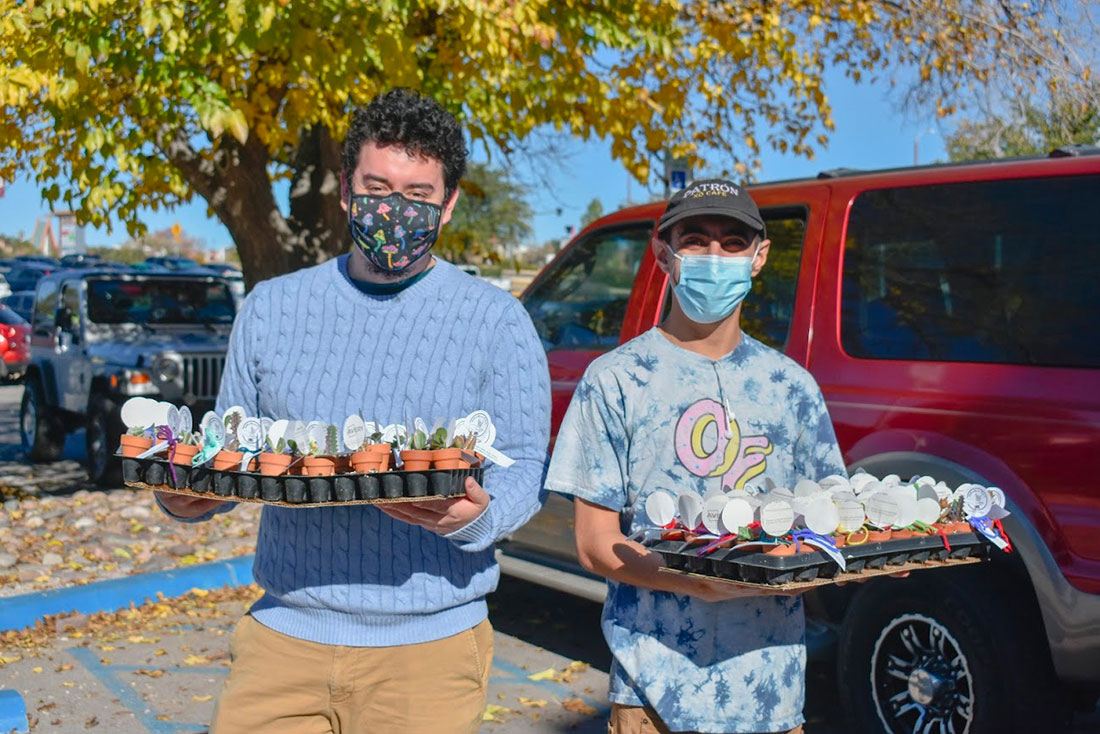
{"x": 417, "y": 123}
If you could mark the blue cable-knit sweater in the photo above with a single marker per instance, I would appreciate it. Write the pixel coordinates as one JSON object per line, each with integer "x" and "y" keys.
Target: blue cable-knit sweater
{"x": 311, "y": 346}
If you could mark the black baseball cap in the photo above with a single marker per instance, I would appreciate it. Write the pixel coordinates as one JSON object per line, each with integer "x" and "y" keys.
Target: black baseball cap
{"x": 712, "y": 197}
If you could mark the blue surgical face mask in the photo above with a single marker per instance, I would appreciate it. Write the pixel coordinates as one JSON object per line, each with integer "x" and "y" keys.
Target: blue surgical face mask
{"x": 711, "y": 286}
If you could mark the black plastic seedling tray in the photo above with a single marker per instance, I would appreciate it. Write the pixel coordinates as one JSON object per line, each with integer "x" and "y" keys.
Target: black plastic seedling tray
{"x": 752, "y": 566}
{"x": 296, "y": 490}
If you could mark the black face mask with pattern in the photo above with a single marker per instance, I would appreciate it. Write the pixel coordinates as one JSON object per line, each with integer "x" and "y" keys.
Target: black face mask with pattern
{"x": 393, "y": 231}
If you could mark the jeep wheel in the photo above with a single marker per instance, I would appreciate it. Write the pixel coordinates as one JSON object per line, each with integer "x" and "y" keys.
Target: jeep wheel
{"x": 101, "y": 442}
{"x": 946, "y": 655}
{"x": 42, "y": 437}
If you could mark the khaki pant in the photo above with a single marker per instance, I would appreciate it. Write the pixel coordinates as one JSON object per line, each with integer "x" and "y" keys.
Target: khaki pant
{"x": 280, "y": 684}
{"x": 638, "y": 720}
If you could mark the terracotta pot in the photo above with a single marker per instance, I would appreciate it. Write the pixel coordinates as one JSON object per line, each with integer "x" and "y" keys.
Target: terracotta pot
{"x": 132, "y": 446}
{"x": 838, "y": 540}
{"x": 184, "y": 454}
{"x": 878, "y": 536}
{"x": 367, "y": 461}
{"x": 780, "y": 550}
{"x": 228, "y": 460}
{"x": 902, "y": 533}
{"x": 342, "y": 464}
{"x": 962, "y": 526}
{"x": 450, "y": 459}
{"x": 273, "y": 465}
{"x": 318, "y": 466}
{"x": 416, "y": 460}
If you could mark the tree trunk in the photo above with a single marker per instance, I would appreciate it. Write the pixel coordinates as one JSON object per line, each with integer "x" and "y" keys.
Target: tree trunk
{"x": 238, "y": 188}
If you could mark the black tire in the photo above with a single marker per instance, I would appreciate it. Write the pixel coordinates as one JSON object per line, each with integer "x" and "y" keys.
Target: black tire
{"x": 101, "y": 441}
{"x": 963, "y": 649}
{"x": 39, "y": 430}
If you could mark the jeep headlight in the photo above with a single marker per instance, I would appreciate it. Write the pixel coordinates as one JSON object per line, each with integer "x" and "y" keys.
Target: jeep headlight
{"x": 166, "y": 369}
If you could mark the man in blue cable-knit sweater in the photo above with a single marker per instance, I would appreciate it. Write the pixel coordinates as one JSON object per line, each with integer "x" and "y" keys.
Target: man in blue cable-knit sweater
{"x": 374, "y": 619}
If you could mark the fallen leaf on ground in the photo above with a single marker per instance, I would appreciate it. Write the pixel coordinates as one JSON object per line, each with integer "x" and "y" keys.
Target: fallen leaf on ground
{"x": 195, "y": 660}
{"x": 150, "y": 673}
{"x": 492, "y": 711}
{"x": 91, "y": 723}
{"x": 576, "y": 705}
{"x": 202, "y": 699}
{"x": 532, "y": 702}
{"x": 36, "y": 670}
{"x": 548, "y": 674}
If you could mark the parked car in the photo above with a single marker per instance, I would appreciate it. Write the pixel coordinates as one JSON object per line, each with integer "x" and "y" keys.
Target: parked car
{"x": 14, "y": 333}
{"x": 51, "y": 262}
{"x": 224, "y": 270}
{"x": 948, "y": 314}
{"x": 25, "y": 276}
{"x": 22, "y": 302}
{"x": 5, "y": 289}
{"x": 99, "y": 337}
{"x": 172, "y": 262}
{"x": 82, "y": 260}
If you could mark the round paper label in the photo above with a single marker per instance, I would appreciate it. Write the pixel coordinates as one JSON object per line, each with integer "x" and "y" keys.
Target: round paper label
{"x": 882, "y": 510}
{"x": 806, "y": 488}
{"x": 250, "y": 434}
{"x": 277, "y": 430}
{"x": 821, "y": 516}
{"x": 216, "y": 430}
{"x": 835, "y": 480}
{"x": 997, "y": 495}
{"x": 736, "y": 514}
{"x": 187, "y": 421}
{"x": 481, "y": 425}
{"x": 139, "y": 412}
{"x": 208, "y": 417}
{"x": 315, "y": 434}
{"x": 231, "y": 419}
{"x": 850, "y": 515}
{"x": 776, "y": 517}
{"x": 660, "y": 509}
{"x": 691, "y": 510}
{"x": 859, "y": 479}
{"x": 712, "y": 513}
{"x": 976, "y": 501}
{"x": 907, "y": 508}
{"x": 928, "y": 510}
{"x": 354, "y": 433}
{"x": 172, "y": 419}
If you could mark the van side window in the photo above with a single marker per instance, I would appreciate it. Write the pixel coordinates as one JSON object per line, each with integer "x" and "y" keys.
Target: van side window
{"x": 45, "y": 308}
{"x": 580, "y": 301}
{"x": 996, "y": 271}
{"x": 767, "y": 309}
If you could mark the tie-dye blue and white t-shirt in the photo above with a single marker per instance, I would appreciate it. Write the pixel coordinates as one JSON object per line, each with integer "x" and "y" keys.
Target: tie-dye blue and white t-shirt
{"x": 650, "y": 415}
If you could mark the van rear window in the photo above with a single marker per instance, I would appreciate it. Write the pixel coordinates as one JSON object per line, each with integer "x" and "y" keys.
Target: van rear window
{"x": 993, "y": 271}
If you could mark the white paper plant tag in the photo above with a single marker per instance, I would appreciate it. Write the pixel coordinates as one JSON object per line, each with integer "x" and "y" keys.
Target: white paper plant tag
{"x": 315, "y": 435}
{"x": 998, "y": 496}
{"x": 928, "y": 510}
{"x": 232, "y": 418}
{"x": 870, "y": 488}
{"x": 881, "y": 510}
{"x": 480, "y": 424}
{"x": 976, "y": 501}
{"x": 807, "y": 488}
{"x": 712, "y": 513}
{"x": 187, "y": 421}
{"x": 420, "y": 425}
{"x": 660, "y": 509}
{"x": 139, "y": 412}
{"x": 215, "y": 430}
{"x": 891, "y": 480}
{"x": 821, "y": 516}
{"x": 265, "y": 424}
{"x": 776, "y": 517}
{"x": 835, "y": 480}
{"x": 354, "y": 433}
{"x": 207, "y": 418}
{"x": 737, "y": 514}
{"x": 172, "y": 419}
{"x": 851, "y": 515}
{"x": 860, "y": 480}
{"x": 250, "y": 435}
{"x": 927, "y": 491}
{"x": 277, "y": 430}
{"x": 907, "y": 508}
{"x": 998, "y": 513}
{"x": 690, "y": 508}
{"x": 393, "y": 432}
{"x": 299, "y": 433}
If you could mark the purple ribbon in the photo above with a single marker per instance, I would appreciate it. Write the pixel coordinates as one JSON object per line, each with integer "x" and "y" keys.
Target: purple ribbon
{"x": 164, "y": 433}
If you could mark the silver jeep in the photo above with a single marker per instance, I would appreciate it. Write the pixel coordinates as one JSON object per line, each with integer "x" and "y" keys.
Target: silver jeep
{"x": 99, "y": 337}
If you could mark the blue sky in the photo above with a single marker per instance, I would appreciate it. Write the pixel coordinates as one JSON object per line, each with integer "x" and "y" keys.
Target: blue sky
{"x": 870, "y": 133}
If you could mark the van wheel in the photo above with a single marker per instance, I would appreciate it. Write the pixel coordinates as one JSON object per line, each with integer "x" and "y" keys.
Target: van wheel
{"x": 42, "y": 437}
{"x": 955, "y": 655}
{"x": 101, "y": 442}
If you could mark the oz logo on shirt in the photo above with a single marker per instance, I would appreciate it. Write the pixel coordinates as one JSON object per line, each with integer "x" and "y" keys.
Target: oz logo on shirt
{"x": 705, "y": 450}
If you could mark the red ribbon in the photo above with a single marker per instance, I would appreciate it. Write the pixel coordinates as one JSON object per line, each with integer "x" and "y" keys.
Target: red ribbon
{"x": 1001, "y": 529}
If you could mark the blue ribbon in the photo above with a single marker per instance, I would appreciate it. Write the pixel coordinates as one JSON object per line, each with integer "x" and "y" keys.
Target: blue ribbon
{"x": 823, "y": 542}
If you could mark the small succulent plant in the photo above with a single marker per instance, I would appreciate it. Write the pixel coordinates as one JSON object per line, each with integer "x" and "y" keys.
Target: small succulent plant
{"x": 466, "y": 443}
{"x": 418, "y": 441}
{"x": 136, "y": 431}
{"x": 439, "y": 439}
{"x": 279, "y": 447}
{"x": 332, "y": 440}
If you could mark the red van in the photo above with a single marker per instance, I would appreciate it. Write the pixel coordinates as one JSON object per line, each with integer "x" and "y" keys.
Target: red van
{"x": 948, "y": 314}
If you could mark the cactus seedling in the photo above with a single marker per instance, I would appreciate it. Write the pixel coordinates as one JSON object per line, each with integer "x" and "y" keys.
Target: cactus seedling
{"x": 232, "y": 422}
{"x": 332, "y": 440}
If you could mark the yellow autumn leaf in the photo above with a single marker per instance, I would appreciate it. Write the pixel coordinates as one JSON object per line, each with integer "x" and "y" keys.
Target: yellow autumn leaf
{"x": 202, "y": 699}
{"x": 532, "y": 702}
{"x": 193, "y": 659}
{"x": 548, "y": 674}
{"x": 493, "y": 712}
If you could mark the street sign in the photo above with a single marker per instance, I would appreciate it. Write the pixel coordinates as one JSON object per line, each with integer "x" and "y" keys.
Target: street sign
{"x": 677, "y": 173}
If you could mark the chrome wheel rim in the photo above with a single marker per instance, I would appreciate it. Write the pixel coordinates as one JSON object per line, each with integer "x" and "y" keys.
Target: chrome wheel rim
{"x": 920, "y": 679}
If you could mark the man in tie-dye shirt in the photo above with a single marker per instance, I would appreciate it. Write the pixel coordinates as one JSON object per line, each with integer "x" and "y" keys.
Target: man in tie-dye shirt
{"x": 694, "y": 404}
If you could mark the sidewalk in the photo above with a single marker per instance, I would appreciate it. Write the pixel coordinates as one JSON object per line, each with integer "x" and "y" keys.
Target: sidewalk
{"x": 159, "y": 667}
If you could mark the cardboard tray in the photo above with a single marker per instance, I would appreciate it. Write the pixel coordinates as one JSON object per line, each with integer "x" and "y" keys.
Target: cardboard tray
{"x": 299, "y": 491}
{"x": 752, "y": 567}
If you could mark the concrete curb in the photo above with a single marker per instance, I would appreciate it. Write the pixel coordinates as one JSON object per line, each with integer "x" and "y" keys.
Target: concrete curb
{"x": 17, "y": 612}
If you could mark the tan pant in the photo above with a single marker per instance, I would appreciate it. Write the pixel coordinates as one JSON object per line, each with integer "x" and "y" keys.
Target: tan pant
{"x": 280, "y": 684}
{"x": 638, "y": 720}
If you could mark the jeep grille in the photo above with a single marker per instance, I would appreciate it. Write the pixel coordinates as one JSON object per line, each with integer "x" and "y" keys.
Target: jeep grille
{"x": 202, "y": 376}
